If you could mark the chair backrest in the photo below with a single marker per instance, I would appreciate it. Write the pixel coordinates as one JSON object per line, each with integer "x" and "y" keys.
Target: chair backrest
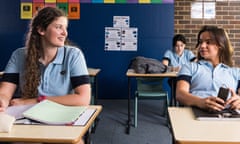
{"x": 150, "y": 84}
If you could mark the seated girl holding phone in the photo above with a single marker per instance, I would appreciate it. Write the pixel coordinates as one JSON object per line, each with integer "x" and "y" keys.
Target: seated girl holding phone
{"x": 198, "y": 83}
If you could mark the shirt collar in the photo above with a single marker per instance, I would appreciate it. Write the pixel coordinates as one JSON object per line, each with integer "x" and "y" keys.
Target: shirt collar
{"x": 204, "y": 62}
{"x": 60, "y": 56}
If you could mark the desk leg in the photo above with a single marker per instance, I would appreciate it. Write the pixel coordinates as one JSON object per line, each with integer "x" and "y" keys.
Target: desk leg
{"x": 95, "y": 102}
{"x": 129, "y": 107}
{"x": 96, "y": 90}
{"x": 173, "y": 90}
{"x": 87, "y": 138}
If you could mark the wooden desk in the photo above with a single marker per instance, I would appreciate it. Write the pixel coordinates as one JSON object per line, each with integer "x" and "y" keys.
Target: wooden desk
{"x": 93, "y": 73}
{"x": 131, "y": 74}
{"x": 187, "y": 130}
{"x": 49, "y": 133}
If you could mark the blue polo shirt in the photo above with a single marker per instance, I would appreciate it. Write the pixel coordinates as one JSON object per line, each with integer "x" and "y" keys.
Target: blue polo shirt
{"x": 205, "y": 80}
{"x": 175, "y": 60}
{"x": 67, "y": 71}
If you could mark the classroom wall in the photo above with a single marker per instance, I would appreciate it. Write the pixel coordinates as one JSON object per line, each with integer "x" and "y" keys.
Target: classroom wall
{"x": 155, "y": 23}
{"x": 227, "y": 17}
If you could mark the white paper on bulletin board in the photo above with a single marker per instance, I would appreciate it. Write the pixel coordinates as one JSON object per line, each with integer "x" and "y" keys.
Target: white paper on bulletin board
{"x": 121, "y": 21}
{"x": 197, "y": 10}
{"x": 112, "y": 38}
{"x": 129, "y": 45}
{"x": 129, "y": 39}
{"x": 112, "y": 33}
{"x": 209, "y": 10}
{"x": 129, "y": 33}
{"x": 112, "y": 45}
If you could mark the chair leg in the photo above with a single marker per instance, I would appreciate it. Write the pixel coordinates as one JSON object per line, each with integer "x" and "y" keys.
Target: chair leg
{"x": 135, "y": 111}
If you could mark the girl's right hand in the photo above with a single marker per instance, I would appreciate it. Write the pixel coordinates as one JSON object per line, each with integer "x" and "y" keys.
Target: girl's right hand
{"x": 213, "y": 103}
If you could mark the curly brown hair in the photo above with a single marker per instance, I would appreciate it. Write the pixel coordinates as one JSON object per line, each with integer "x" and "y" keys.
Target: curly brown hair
{"x": 34, "y": 49}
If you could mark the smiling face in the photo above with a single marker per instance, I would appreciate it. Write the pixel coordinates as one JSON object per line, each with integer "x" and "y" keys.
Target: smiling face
{"x": 56, "y": 33}
{"x": 208, "y": 48}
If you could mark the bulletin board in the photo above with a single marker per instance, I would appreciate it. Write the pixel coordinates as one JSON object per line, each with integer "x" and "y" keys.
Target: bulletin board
{"x": 72, "y": 7}
{"x": 30, "y": 7}
{"x": 128, "y": 1}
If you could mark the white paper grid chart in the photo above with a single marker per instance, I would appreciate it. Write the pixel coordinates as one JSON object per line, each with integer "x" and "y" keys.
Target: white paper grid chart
{"x": 121, "y": 37}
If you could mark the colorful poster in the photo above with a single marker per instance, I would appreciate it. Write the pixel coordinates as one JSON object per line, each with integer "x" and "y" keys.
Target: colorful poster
{"x": 37, "y": 7}
{"x": 26, "y": 10}
{"x": 63, "y": 6}
{"x": 62, "y": 1}
{"x": 156, "y": 1}
{"x": 109, "y": 1}
{"x": 120, "y": 1}
{"x": 38, "y": 1}
{"x": 26, "y": 1}
{"x": 144, "y": 1}
{"x": 74, "y": 10}
{"x": 97, "y": 1}
{"x": 73, "y": 1}
{"x": 50, "y": 4}
{"x": 50, "y": 1}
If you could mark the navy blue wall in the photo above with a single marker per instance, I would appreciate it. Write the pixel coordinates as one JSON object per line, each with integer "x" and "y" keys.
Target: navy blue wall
{"x": 155, "y": 25}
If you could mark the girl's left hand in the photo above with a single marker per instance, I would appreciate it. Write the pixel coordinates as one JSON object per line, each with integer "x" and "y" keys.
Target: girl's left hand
{"x": 234, "y": 100}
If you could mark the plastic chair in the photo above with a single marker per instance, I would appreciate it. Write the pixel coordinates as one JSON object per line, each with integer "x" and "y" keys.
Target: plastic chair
{"x": 149, "y": 88}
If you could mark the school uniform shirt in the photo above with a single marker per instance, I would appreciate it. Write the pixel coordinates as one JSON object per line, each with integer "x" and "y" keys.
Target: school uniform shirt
{"x": 176, "y": 60}
{"x": 205, "y": 80}
{"x": 67, "y": 71}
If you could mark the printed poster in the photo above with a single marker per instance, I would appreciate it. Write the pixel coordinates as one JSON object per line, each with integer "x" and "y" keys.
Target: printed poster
{"x": 112, "y": 38}
{"x": 37, "y": 7}
{"x": 121, "y": 21}
{"x": 26, "y": 10}
{"x": 73, "y": 10}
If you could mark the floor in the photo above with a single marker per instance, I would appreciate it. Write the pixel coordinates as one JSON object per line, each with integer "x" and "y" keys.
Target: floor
{"x": 153, "y": 126}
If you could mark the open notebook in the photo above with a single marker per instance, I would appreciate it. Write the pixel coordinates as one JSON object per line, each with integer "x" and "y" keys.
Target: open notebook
{"x": 223, "y": 115}
{"x": 49, "y": 112}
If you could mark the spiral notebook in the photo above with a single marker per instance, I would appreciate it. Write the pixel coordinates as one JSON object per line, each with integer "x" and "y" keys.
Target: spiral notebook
{"x": 226, "y": 114}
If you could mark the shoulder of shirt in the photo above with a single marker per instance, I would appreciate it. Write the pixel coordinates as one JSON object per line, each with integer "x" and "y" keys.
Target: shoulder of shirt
{"x": 72, "y": 48}
{"x": 19, "y": 50}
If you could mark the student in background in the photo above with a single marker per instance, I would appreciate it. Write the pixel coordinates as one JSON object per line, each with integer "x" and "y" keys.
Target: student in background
{"x": 198, "y": 83}
{"x": 47, "y": 67}
{"x": 178, "y": 55}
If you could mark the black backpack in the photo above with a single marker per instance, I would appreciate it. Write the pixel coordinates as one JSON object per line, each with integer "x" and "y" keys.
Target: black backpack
{"x": 142, "y": 64}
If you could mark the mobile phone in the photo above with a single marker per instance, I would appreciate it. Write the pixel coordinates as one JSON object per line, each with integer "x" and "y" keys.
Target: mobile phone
{"x": 223, "y": 93}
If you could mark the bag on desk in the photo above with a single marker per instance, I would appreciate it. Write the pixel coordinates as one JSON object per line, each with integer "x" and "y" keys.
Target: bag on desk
{"x": 147, "y": 65}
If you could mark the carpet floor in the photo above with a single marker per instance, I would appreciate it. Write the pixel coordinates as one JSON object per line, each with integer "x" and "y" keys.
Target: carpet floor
{"x": 152, "y": 123}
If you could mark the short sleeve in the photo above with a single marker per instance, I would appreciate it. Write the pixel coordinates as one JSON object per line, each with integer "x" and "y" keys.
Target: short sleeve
{"x": 16, "y": 62}
{"x": 77, "y": 64}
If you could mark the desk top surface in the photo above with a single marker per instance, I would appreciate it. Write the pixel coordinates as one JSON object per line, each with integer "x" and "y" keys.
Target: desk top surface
{"x": 91, "y": 71}
{"x": 187, "y": 130}
{"x": 49, "y": 133}
{"x": 131, "y": 73}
